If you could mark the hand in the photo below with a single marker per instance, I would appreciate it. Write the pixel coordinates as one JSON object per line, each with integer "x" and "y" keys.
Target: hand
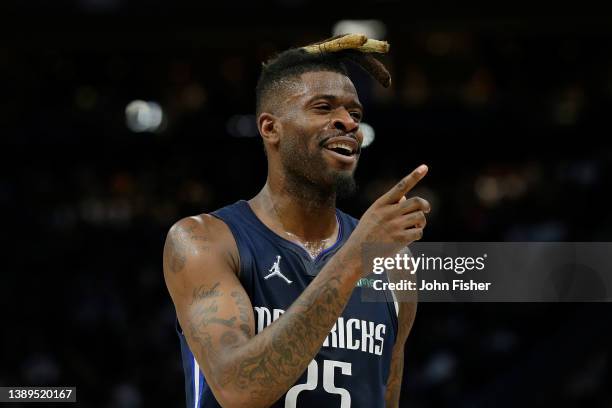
{"x": 393, "y": 219}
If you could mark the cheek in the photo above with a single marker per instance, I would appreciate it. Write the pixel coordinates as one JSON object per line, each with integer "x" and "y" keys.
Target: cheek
{"x": 306, "y": 139}
{"x": 294, "y": 145}
{"x": 359, "y": 136}
{"x": 301, "y": 134}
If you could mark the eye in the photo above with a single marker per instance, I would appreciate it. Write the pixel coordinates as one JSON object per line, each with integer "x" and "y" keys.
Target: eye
{"x": 323, "y": 106}
{"x": 356, "y": 115}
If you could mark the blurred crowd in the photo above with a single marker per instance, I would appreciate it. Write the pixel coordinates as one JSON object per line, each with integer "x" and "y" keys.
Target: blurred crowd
{"x": 512, "y": 122}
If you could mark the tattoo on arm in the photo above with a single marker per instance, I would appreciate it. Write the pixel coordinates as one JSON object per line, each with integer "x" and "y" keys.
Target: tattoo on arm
{"x": 182, "y": 240}
{"x": 206, "y": 307}
{"x": 279, "y": 357}
{"x": 204, "y": 314}
{"x": 174, "y": 255}
{"x": 268, "y": 364}
{"x": 243, "y": 307}
{"x": 203, "y": 292}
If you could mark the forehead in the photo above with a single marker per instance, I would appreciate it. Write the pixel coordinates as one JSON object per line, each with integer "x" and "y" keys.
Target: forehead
{"x": 316, "y": 83}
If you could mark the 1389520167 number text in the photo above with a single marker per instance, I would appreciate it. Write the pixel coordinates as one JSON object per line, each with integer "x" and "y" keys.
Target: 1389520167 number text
{"x": 38, "y": 394}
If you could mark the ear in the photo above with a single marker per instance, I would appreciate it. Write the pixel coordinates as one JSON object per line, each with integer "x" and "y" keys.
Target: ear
{"x": 269, "y": 128}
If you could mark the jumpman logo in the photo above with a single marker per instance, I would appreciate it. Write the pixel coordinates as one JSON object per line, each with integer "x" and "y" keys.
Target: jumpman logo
{"x": 275, "y": 271}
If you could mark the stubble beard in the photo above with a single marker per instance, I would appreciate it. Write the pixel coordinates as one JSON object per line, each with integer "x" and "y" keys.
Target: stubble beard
{"x": 309, "y": 177}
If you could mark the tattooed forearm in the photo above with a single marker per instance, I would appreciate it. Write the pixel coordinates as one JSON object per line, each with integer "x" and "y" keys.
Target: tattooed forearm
{"x": 265, "y": 366}
{"x": 282, "y": 352}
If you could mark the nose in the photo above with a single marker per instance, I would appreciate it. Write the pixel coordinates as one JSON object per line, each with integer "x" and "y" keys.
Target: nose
{"x": 343, "y": 120}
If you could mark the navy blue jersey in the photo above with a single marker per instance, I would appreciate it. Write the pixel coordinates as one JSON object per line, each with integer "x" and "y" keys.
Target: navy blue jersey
{"x": 352, "y": 366}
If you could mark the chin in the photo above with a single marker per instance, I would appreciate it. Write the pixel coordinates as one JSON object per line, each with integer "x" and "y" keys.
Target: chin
{"x": 344, "y": 184}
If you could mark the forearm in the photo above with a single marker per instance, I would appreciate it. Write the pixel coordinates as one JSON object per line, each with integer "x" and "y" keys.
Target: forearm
{"x": 261, "y": 370}
{"x": 394, "y": 384}
{"x": 406, "y": 317}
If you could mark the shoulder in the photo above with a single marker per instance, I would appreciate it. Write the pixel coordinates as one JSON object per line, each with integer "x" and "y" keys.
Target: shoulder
{"x": 197, "y": 237}
{"x": 198, "y": 226}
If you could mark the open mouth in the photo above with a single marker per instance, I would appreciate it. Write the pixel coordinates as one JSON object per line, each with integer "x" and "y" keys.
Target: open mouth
{"x": 341, "y": 148}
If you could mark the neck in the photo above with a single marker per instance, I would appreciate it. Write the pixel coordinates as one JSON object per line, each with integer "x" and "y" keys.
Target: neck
{"x": 308, "y": 214}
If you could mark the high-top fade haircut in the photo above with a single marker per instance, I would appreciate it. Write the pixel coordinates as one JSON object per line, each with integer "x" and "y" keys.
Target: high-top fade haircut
{"x": 285, "y": 69}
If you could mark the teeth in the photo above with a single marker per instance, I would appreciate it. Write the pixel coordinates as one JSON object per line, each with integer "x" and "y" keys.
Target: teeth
{"x": 340, "y": 145}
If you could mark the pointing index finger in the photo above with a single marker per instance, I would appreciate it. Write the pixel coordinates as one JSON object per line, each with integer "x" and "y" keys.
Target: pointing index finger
{"x": 405, "y": 185}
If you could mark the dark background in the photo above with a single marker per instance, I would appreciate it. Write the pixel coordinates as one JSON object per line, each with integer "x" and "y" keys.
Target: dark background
{"x": 509, "y": 108}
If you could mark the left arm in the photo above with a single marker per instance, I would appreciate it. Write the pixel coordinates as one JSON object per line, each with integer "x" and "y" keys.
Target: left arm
{"x": 406, "y": 316}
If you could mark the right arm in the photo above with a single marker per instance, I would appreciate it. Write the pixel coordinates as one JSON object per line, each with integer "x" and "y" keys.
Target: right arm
{"x": 215, "y": 312}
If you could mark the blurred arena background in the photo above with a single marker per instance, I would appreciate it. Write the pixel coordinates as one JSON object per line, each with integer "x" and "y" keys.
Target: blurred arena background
{"x": 120, "y": 117}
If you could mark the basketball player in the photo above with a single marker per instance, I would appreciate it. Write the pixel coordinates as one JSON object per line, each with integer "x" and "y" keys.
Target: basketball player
{"x": 267, "y": 291}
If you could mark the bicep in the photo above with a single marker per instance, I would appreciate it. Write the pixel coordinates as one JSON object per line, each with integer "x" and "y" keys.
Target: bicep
{"x": 216, "y": 317}
{"x": 211, "y": 305}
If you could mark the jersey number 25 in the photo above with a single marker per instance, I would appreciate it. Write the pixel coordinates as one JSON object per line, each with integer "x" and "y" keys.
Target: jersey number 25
{"x": 329, "y": 369}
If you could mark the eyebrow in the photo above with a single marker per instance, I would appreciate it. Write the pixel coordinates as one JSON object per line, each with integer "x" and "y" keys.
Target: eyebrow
{"x": 334, "y": 98}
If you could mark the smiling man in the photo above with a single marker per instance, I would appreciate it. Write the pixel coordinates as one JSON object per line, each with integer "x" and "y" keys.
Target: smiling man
{"x": 266, "y": 290}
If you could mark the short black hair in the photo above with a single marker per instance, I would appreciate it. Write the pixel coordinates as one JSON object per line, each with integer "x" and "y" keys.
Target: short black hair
{"x": 290, "y": 64}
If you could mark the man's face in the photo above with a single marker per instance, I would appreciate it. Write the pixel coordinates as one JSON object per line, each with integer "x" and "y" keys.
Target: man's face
{"x": 321, "y": 141}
